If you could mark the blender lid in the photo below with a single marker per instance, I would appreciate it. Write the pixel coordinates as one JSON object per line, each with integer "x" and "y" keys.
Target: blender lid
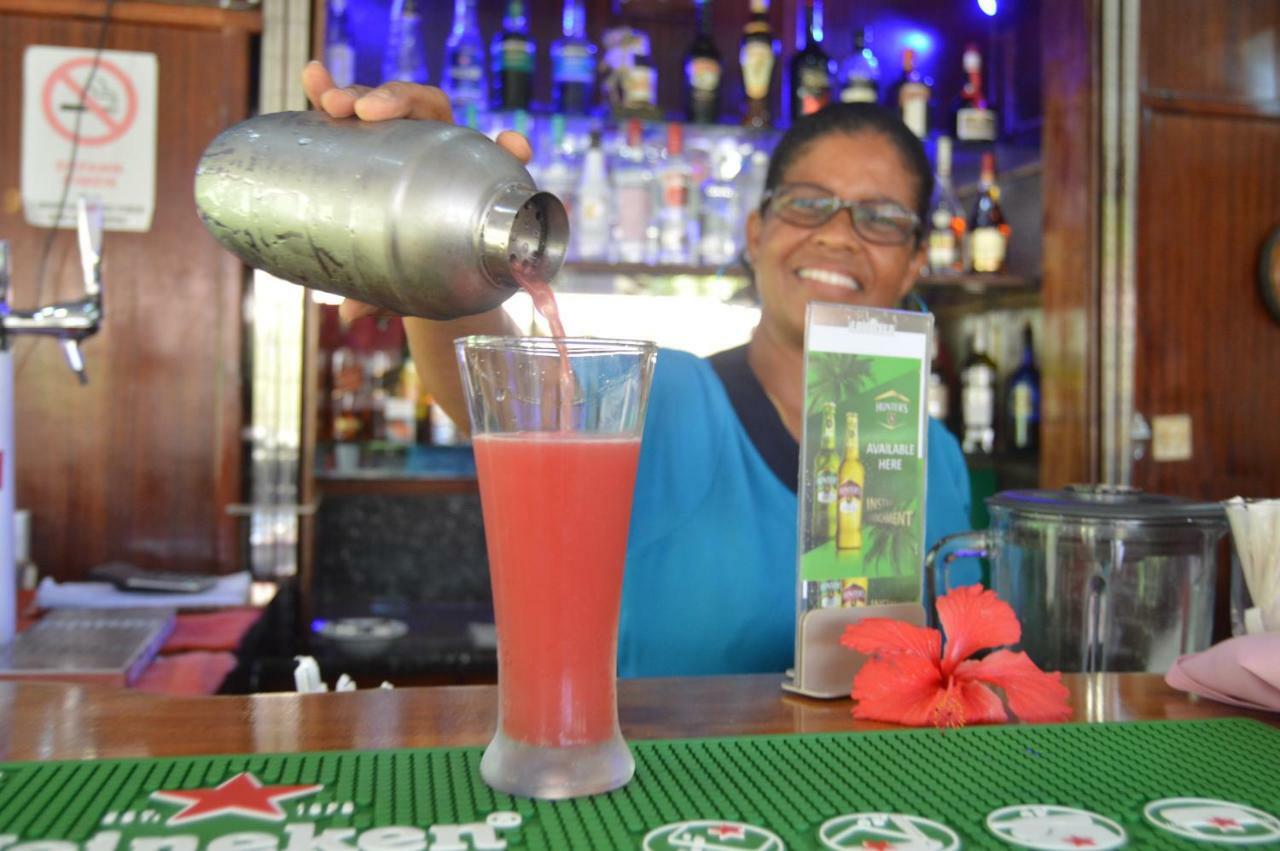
{"x": 1108, "y": 502}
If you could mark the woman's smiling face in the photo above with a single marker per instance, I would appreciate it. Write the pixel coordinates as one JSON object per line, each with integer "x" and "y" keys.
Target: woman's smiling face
{"x": 795, "y": 265}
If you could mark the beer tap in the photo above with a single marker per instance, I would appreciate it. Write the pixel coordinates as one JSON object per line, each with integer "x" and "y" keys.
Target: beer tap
{"x": 70, "y": 322}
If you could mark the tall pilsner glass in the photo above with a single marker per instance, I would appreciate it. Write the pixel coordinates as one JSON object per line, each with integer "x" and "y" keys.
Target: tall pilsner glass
{"x": 556, "y": 455}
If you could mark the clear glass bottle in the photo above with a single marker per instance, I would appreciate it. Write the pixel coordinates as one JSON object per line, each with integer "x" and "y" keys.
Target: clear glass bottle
{"x": 464, "y": 74}
{"x": 720, "y": 213}
{"x": 860, "y": 72}
{"x": 556, "y": 172}
{"x": 674, "y": 179}
{"x": 702, "y": 70}
{"x": 406, "y": 55}
{"x": 573, "y": 63}
{"x": 978, "y": 396}
{"x": 339, "y": 45}
{"x": 939, "y": 393}
{"x": 589, "y": 238}
{"x": 633, "y": 197}
{"x": 513, "y": 53}
{"x": 946, "y": 219}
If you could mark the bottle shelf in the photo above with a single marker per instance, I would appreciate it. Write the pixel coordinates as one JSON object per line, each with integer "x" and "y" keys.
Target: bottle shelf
{"x": 656, "y": 270}
{"x": 960, "y": 285}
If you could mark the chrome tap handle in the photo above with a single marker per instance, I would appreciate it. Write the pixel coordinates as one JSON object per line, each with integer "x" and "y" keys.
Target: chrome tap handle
{"x": 4, "y": 279}
{"x": 89, "y": 234}
{"x": 75, "y": 359}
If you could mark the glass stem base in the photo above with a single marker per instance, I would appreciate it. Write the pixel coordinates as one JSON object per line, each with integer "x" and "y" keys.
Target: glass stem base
{"x": 555, "y": 773}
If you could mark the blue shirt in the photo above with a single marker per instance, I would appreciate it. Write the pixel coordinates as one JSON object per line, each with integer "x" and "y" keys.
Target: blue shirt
{"x": 710, "y": 585}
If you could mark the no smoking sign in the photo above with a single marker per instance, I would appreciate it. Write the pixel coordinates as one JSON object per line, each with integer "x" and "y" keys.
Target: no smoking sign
{"x": 112, "y": 110}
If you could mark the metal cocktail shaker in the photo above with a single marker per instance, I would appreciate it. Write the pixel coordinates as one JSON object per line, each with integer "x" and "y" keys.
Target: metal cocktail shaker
{"x": 421, "y": 218}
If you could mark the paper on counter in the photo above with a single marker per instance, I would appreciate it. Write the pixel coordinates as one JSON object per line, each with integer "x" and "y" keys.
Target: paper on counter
{"x": 230, "y": 590}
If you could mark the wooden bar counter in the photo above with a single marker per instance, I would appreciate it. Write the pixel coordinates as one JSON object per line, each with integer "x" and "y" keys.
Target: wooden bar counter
{"x": 43, "y": 721}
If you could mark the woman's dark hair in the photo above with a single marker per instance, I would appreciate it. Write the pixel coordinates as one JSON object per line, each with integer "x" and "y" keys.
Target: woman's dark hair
{"x": 852, "y": 119}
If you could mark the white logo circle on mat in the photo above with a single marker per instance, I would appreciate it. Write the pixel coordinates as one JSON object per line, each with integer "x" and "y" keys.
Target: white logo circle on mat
{"x": 1049, "y": 826}
{"x": 707, "y": 835}
{"x": 1211, "y": 820}
{"x": 887, "y": 831}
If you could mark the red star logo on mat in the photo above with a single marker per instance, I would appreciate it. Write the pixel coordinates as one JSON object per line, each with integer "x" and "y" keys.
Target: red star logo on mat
{"x": 1079, "y": 841}
{"x": 242, "y": 795}
{"x": 727, "y": 831}
{"x": 1225, "y": 823}
{"x": 877, "y": 844}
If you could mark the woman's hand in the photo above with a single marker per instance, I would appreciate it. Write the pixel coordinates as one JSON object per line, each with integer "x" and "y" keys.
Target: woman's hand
{"x": 389, "y": 100}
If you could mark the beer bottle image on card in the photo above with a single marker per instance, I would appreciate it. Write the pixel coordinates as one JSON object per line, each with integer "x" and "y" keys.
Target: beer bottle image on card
{"x": 826, "y": 469}
{"x": 849, "y": 492}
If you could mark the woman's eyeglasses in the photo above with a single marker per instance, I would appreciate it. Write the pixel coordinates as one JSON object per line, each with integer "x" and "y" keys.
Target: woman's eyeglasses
{"x": 808, "y": 206}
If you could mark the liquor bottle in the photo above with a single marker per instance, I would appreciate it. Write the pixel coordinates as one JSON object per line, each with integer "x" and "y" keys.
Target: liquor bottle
{"x": 988, "y": 228}
{"x": 720, "y": 213}
{"x": 556, "y": 173}
{"x": 978, "y": 397}
{"x": 573, "y": 63}
{"x": 947, "y": 225}
{"x": 633, "y": 198}
{"x": 591, "y": 220}
{"x": 826, "y": 471}
{"x": 938, "y": 392}
{"x": 910, "y": 96}
{"x": 339, "y": 47}
{"x": 640, "y": 86}
{"x": 810, "y": 68}
{"x": 849, "y": 492}
{"x": 512, "y": 56}
{"x": 674, "y": 179}
{"x": 758, "y": 55}
{"x": 464, "y": 80}
{"x": 1023, "y": 401}
{"x": 702, "y": 70}
{"x": 405, "y": 57}
{"x": 860, "y": 72}
{"x": 972, "y": 119}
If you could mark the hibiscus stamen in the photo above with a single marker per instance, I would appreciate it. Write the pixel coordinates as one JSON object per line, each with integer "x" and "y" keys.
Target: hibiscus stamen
{"x": 949, "y": 711}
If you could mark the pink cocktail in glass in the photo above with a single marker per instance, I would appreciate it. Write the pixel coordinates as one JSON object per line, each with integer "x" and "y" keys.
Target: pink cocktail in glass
{"x": 556, "y": 455}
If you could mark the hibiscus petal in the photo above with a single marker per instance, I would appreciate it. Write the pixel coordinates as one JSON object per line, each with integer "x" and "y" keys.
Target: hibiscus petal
{"x": 981, "y": 704}
{"x": 884, "y": 635}
{"x": 975, "y": 619}
{"x": 1033, "y": 695}
{"x": 899, "y": 689}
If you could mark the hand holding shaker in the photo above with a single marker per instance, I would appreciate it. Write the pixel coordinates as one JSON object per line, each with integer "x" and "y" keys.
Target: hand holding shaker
{"x": 421, "y": 218}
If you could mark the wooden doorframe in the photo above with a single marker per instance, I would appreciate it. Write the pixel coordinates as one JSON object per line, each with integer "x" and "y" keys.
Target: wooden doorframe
{"x": 1071, "y": 412}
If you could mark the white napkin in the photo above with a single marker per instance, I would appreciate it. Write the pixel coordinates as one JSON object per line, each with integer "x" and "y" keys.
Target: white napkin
{"x": 1255, "y": 531}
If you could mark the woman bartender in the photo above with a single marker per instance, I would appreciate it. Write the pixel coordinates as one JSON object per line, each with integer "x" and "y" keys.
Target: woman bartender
{"x": 711, "y": 557}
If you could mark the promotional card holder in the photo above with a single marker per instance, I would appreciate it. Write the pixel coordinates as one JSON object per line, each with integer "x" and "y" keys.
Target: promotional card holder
{"x": 861, "y": 497}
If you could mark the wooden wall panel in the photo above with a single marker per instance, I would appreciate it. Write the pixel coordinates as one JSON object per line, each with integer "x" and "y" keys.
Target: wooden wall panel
{"x": 140, "y": 464}
{"x": 1206, "y": 346}
{"x": 1222, "y": 50}
{"x": 1209, "y": 192}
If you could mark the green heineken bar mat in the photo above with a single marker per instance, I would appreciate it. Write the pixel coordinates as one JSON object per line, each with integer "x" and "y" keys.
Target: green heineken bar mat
{"x": 1172, "y": 784}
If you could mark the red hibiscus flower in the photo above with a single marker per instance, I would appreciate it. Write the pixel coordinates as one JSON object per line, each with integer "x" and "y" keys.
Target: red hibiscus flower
{"x": 909, "y": 680}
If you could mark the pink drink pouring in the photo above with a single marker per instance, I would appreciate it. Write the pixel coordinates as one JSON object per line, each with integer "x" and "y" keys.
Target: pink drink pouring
{"x": 557, "y": 683}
